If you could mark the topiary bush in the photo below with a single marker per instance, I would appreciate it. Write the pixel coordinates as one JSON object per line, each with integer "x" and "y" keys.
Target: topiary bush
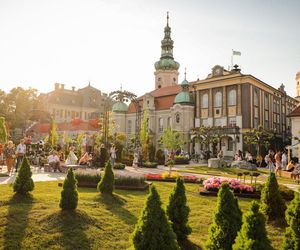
{"x": 153, "y": 230}
{"x": 106, "y": 184}
{"x": 24, "y": 183}
{"x": 272, "y": 204}
{"x": 160, "y": 157}
{"x": 253, "y": 234}
{"x": 178, "y": 211}
{"x": 69, "y": 194}
{"x": 291, "y": 240}
{"x": 227, "y": 221}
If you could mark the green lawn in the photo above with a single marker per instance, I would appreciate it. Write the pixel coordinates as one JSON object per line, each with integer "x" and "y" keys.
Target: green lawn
{"x": 98, "y": 223}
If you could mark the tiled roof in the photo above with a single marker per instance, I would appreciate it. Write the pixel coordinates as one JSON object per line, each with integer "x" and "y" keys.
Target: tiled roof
{"x": 295, "y": 112}
{"x": 170, "y": 90}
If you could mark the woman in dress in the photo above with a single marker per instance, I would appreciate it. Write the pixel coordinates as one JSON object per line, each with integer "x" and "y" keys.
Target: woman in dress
{"x": 72, "y": 158}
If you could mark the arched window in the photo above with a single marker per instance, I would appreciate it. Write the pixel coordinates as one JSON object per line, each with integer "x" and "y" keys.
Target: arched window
{"x": 205, "y": 101}
{"x": 218, "y": 99}
{"x": 160, "y": 124}
{"x": 232, "y": 97}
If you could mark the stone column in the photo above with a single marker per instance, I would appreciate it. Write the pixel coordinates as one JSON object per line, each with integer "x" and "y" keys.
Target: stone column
{"x": 224, "y": 112}
{"x": 210, "y": 103}
{"x": 239, "y": 100}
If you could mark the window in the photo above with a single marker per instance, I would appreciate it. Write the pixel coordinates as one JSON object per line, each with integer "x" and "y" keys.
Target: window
{"x": 232, "y": 97}
{"x": 169, "y": 122}
{"x": 218, "y": 122}
{"x": 160, "y": 124}
{"x": 205, "y": 101}
{"x": 255, "y": 97}
{"x": 266, "y": 102}
{"x": 218, "y": 99}
{"x": 230, "y": 144}
{"x": 177, "y": 118}
{"x": 129, "y": 127}
{"x": 232, "y": 121}
{"x": 204, "y": 122}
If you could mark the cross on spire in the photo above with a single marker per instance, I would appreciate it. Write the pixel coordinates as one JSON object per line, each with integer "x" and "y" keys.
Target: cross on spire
{"x": 184, "y": 73}
{"x": 167, "y": 18}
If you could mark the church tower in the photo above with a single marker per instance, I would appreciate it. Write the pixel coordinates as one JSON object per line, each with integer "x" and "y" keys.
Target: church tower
{"x": 298, "y": 86}
{"x": 166, "y": 69}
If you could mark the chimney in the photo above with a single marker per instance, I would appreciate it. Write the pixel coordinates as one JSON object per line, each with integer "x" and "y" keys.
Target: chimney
{"x": 56, "y": 86}
{"x": 62, "y": 86}
{"x": 73, "y": 88}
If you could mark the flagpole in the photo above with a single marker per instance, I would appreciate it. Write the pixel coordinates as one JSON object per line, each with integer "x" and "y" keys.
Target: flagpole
{"x": 231, "y": 59}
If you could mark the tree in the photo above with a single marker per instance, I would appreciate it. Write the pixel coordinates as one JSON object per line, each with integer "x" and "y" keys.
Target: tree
{"x": 178, "y": 211}
{"x": 54, "y": 136}
{"x": 227, "y": 221}
{"x": 153, "y": 230}
{"x": 253, "y": 234}
{"x": 69, "y": 194}
{"x": 291, "y": 240}
{"x": 144, "y": 135}
{"x": 259, "y": 137}
{"x": 106, "y": 184}
{"x": 3, "y": 134}
{"x": 24, "y": 183}
{"x": 272, "y": 204}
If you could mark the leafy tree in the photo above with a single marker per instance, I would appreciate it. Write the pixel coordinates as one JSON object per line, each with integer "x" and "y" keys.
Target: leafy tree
{"x": 153, "y": 230}
{"x": 3, "y": 134}
{"x": 253, "y": 234}
{"x": 106, "y": 184}
{"x": 178, "y": 211}
{"x": 24, "y": 183}
{"x": 171, "y": 139}
{"x": 259, "y": 137}
{"x": 144, "y": 135}
{"x": 227, "y": 221}
{"x": 272, "y": 204}
{"x": 291, "y": 240}
{"x": 69, "y": 194}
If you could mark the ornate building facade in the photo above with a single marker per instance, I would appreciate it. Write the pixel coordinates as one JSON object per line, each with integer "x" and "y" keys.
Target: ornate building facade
{"x": 228, "y": 99}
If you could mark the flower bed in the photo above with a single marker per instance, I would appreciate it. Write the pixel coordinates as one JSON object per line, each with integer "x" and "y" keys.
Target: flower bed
{"x": 148, "y": 164}
{"x": 181, "y": 160}
{"x": 214, "y": 184}
{"x": 172, "y": 178}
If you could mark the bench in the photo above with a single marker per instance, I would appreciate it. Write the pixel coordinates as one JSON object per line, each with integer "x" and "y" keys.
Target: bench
{"x": 286, "y": 174}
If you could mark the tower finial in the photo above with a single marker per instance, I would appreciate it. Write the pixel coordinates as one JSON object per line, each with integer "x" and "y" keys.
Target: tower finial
{"x": 184, "y": 73}
{"x": 167, "y": 18}
{"x": 121, "y": 87}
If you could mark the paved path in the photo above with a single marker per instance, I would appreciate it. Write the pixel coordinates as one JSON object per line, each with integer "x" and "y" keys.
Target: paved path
{"x": 40, "y": 175}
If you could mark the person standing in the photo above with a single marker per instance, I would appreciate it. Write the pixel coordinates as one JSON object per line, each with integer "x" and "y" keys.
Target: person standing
{"x": 9, "y": 153}
{"x": 20, "y": 153}
{"x": 113, "y": 155}
{"x": 278, "y": 163}
{"x": 283, "y": 160}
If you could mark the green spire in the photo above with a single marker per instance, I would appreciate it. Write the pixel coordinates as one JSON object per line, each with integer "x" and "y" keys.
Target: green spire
{"x": 184, "y": 96}
{"x": 167, "y": 60}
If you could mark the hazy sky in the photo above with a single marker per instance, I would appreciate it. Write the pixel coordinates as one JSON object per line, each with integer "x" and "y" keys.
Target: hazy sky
{"x": 111, "y": 42}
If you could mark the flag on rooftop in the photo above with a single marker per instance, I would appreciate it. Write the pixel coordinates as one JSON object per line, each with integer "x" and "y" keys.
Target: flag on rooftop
{"x": 236, "y": 53}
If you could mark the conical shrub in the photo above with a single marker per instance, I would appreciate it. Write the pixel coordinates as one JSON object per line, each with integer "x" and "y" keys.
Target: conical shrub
{"x": 253, "y": 234}
{"x": 153, "y": 230}
{"x": 227, "y": 221}
{"x": 178, "y": 211}
{"x": 69, "y": 194}
{"x": 106, "y": 184}
{"x": 24, "y": 183}
{"x": 291, "y": 240}
{"x": 272, "y": 204}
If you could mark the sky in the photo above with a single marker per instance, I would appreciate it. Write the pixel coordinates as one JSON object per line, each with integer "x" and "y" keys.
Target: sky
{"x": 110, "y": 43}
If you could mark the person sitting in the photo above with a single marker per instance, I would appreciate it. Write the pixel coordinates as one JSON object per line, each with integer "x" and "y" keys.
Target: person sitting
{"x": 72, "y": 158}
{"x": 296, "y": 172}
{"x": 85, "y": 158}
{"x": 54, "y": 161}
{"x": 290, "y": 167}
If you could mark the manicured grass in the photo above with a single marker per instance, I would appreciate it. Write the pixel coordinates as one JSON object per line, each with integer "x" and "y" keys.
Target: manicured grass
{"x": 100, "y": 222}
